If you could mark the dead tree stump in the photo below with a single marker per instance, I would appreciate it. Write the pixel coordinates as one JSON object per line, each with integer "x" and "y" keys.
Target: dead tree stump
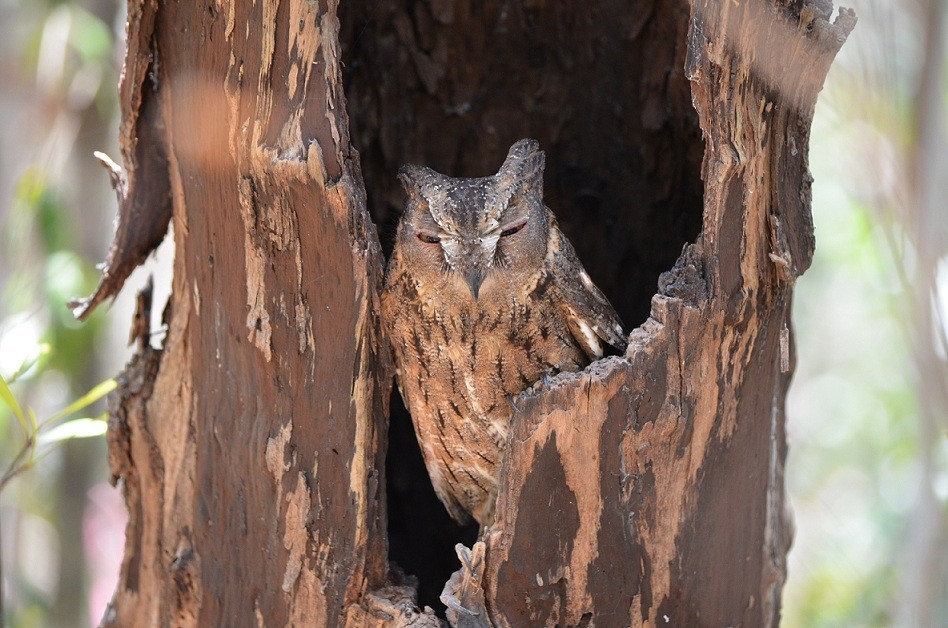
{"x": 251, "y": 445}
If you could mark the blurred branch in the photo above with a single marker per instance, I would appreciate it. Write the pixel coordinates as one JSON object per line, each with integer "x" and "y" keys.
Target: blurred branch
{"x": 924, "y": 561}
{"x": 33, "y": 430}
{"x": 26, "y": 457}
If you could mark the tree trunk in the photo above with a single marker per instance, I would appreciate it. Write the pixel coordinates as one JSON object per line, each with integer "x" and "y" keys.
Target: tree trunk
{"x": 251, "y": 446}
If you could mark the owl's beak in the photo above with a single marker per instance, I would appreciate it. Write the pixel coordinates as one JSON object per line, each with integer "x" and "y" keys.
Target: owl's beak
{"x": 475, "y": 277}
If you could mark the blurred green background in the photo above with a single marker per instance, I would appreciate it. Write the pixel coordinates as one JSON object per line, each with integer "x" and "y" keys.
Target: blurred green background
{"x": 61, "y": 524}
{"x": 867, "y": 472}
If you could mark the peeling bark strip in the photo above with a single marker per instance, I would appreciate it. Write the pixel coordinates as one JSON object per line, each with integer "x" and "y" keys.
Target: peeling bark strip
{"x": 664, "y": 471}
{"x": 142, "y": 187}
{"x": 250, "y": 445}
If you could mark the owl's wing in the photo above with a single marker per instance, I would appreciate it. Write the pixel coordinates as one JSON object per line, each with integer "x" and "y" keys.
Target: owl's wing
{"x": 590, "y": 316}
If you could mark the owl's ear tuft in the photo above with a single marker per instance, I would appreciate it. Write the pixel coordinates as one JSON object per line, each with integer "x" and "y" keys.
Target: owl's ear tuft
{"x": 415, "y": 178}
{"x": 524, "y": 164}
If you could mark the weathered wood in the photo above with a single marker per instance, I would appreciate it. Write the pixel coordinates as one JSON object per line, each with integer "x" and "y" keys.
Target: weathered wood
{"x": 141, "y": 186}
{"x": 249, "y": 446}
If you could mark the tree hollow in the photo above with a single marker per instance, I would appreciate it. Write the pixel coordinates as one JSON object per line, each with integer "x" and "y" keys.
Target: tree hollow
{"x": 452, "y": 85}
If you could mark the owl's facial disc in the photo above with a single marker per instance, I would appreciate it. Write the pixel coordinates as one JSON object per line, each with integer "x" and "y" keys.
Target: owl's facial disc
{"x": 473, "y": 252}
{"x": 468, "y": 218}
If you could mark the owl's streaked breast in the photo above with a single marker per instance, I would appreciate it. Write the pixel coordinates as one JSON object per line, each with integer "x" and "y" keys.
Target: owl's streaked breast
{"x": 459, "y": 365}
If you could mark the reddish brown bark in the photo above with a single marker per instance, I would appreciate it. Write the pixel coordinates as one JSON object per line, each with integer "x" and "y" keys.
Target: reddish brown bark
{"x": 250, "y": 445}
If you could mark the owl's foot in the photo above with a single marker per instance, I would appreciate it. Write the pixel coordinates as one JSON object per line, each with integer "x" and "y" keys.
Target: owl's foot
{"x": 540, "y": 384}
{"x": 452, "y": 602}
{"x": 463, "y": 593}
{"x": 465, "y": 555}
{"x": 513, "y": 404}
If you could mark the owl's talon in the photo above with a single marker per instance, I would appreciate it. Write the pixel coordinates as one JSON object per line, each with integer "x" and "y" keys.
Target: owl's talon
{"x": 452, "y": 602}
{"x": 466, "y": 559}
{"x": 510, "y": 398}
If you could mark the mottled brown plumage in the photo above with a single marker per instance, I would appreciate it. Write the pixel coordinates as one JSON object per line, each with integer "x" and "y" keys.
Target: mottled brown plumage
{"x": 483, "y": 297}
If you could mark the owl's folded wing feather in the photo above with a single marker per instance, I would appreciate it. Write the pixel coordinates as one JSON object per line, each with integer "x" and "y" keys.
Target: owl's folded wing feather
{"x": 590, "y": 316}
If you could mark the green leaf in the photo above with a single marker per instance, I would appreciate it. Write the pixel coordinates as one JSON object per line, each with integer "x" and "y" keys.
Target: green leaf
{"x": 99, "y": 391}
{"x": 42, "y": 350}
{"x": 77, "y": 428}
{"x": 7, "y": 396}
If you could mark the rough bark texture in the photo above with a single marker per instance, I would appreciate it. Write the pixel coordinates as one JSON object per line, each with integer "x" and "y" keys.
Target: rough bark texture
{"x": 645, "y": 490}
{"x": 250, "y": 446}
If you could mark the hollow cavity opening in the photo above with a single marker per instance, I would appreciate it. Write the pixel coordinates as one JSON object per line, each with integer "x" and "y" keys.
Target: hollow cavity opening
{"x": 452, "y": 84}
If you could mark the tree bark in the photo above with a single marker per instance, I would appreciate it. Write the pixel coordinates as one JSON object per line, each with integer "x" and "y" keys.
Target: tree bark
{"x": 251, "y": 445}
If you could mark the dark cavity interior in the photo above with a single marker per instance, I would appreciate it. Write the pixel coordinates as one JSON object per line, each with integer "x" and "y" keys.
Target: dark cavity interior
{"x": 452, "y": 84}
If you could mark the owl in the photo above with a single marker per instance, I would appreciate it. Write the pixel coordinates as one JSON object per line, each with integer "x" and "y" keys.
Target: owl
{"x": 484, "y": 296}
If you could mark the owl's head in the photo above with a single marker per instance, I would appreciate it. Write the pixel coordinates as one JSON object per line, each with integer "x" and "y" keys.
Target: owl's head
{"x": 478, "y": 230}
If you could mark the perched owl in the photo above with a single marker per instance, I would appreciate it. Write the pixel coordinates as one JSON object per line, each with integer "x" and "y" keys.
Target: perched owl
{"x": 483, "y": 297}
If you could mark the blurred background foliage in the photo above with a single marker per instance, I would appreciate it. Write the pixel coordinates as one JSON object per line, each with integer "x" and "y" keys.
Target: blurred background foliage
{"x": 61, "y": 525}
{"x": 867, "y": 472}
